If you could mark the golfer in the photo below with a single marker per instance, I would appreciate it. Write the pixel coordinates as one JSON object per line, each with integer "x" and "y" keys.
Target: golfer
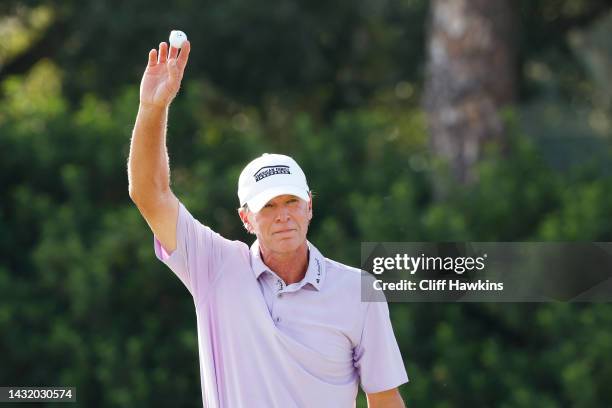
{"x": 279, "y": 325}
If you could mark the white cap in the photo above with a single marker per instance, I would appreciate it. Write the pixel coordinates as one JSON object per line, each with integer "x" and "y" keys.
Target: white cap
{"x": 269, "y": 176}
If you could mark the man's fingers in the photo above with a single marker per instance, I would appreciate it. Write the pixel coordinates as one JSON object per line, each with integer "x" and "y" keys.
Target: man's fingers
{"x": 173, "y": 52}
{"x": 163, "y": 52}
{"x": 184, "y": 56}
{"x": 152, "y": 58}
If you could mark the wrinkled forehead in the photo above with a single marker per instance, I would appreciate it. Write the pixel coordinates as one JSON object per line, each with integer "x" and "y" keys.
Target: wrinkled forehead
{"x": 283, "y": 198}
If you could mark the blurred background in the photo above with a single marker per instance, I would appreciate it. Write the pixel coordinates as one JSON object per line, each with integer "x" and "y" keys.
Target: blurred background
{"x": 415, "y": 120}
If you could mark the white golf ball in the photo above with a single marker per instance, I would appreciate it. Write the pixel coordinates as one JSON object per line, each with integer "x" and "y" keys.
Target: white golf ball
{"x": 177, "y": 38}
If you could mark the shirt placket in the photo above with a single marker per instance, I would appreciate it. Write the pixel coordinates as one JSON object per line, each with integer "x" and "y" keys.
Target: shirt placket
{"x": 280, "y": 292}
{"x": 277, "y": 287}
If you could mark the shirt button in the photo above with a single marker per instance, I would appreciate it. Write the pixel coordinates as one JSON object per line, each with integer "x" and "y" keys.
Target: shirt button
{"x": 280, "y": 295}
{"x": 278, "y": 319}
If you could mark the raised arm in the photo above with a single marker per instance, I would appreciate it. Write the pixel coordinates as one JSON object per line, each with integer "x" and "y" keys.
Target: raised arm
{"x": 386, "y": 399}
{"x": 148, "y": 163}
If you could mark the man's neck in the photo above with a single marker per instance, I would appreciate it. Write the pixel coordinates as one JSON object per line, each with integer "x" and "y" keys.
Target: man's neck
{"x": 290, "y": 267}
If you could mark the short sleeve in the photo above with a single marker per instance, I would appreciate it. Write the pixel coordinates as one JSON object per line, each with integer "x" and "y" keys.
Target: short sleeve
{"x": 199, "y": 254}
{"x": 377, "y": 357}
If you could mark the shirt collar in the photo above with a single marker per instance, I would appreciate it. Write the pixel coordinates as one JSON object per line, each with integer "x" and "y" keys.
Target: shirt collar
{"x": 315, "y": 274}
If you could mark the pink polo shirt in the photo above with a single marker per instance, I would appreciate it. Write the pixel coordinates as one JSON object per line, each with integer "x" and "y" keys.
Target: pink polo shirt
{"x": 263, "y": 343}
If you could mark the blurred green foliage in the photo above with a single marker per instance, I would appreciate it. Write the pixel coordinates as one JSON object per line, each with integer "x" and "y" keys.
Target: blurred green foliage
{"x": 83, "y": 302}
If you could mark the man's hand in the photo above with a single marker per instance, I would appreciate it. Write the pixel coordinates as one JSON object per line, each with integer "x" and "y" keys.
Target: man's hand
{"x": 385, "y": 399}
{"x": 162, "y": 78}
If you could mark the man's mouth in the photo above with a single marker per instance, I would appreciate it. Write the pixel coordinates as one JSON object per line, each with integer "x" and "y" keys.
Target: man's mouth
{"x": 284, "y": 231}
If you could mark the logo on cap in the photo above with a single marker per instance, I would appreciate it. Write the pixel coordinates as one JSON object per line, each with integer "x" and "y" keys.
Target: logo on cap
{"x": 267, "y": 171}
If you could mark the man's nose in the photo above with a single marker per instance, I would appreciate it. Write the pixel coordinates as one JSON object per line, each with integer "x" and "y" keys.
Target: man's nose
{"x": 282, "y": 214}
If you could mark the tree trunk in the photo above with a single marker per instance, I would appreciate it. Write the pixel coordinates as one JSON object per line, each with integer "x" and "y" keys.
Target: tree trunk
{"x": 470, "y": 76}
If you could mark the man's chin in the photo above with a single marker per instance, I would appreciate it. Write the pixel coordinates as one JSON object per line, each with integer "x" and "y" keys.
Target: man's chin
{"x": 288, "y": 244}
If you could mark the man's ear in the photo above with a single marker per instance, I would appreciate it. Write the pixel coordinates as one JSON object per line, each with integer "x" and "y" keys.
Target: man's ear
{"x": 310, "y": 206}
{"x": 243, "y": 213}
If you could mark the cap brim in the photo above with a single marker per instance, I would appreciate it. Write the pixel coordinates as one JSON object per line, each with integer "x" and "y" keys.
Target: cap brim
{"x": 256, "y": 203}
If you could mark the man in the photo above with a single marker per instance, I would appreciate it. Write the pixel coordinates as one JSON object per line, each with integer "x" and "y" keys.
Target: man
{"x": 279, "y": 325}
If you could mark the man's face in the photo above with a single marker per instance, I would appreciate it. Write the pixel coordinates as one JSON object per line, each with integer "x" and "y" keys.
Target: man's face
{"x": 281, "y": 225}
